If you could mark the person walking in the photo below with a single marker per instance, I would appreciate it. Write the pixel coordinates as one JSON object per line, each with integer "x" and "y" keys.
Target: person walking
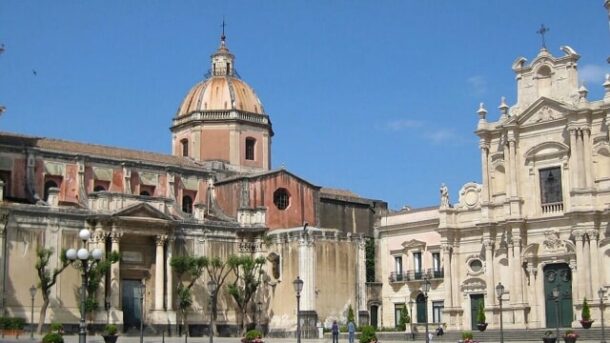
{"x": 335, "y": 330}
{"x": 351, "y": 331}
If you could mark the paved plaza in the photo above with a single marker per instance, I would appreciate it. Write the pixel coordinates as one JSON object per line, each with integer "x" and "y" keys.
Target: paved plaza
{"x": 205, "y": 339}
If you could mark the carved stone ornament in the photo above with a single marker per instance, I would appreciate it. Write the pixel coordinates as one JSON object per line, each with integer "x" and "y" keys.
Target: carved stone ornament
{"x": 473, "y": 285}
{"x": 552, "y": 242}
{"x": 470, "y": 195}
{"x": 546, "y": 114}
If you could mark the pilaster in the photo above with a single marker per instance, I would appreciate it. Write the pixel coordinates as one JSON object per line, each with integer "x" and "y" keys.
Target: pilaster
{"x": 579, "y": 236}
{"x": 159, "y": 264}
{"x": 115, "y": 270}
{"x": 489, "y": 273}
{"x": 595, "y": 260}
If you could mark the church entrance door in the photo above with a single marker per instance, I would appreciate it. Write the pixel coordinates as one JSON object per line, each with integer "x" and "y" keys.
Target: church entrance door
{"x": 422, "y": 309}
{"x": 475, "y": 300}
{"x": 558, "y": 276}
{"x": 374, "y": 314}
{"x": 131, "y": 304}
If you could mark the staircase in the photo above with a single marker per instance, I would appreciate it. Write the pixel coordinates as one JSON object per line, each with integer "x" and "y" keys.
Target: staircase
{"x": 593, "y": 334}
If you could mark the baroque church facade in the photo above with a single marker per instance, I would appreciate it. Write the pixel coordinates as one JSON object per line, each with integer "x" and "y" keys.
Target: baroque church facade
{"x": 539, "y": 221}
{"x": 215, "y": 195}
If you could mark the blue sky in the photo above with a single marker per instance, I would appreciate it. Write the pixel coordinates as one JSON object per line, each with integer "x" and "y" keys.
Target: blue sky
{"x": 378, "y": 97}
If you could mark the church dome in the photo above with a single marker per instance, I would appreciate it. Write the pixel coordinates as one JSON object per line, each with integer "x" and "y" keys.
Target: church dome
{"x": 222, "y": 90}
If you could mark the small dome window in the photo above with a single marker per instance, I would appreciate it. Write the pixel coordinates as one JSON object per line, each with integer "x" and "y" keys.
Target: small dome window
{"x": 475, "y": 265}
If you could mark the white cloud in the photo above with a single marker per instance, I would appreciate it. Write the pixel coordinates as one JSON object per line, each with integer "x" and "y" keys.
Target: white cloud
{"x": 593, "y": 74}
{"x": 403, "y": 124}
{"x": 441, "y": 135}
{"x": 478, "y": 84}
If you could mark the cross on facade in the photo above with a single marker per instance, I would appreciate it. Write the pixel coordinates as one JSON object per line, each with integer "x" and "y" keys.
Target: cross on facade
{"x": 541, "y": 32}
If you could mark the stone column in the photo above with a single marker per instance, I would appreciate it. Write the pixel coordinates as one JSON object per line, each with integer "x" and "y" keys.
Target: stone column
{"x": 99, "y": 237}
{"x": 307, "y": 272}
{"x": 507, "y": 169}
{"x": 159, "y": 263}
{"x": 594, "y": 248}
{"x": 581, "y": 160}
{"x": 511, "y": 268}
{"x": 573, "y": 159}
{"x": 588, "y": 166}
{"x": 513, "y": 167}
{"x": 587, "y": 271}
{"x": 4, "y": 217}
{"x": 169, "y": 302}
{"x": 447, "y": 281}
{"x": 580, "y": 266}
{"x": 518, "y": 270}
{"x": 489, "y": 273}
{"x": 115, "y": 270}
{"x": 485, "y": 170}
{"x": 361, "y": 272}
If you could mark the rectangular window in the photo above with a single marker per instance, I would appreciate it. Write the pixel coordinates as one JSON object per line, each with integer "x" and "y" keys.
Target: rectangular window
{"x": 550, "y": 186}
{"x": 417, "y": 261}
{"x": 436, "y": 261}
{"x": 437, "y": 311}
{"x": 250, "y": 143}
{"x": 397, "y": 309}
{"x": 398, "y": 264}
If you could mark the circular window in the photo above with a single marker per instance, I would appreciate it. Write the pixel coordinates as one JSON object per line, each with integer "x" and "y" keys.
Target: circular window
{"x": 281, "y": 198}
{"x": 475, "y": 265}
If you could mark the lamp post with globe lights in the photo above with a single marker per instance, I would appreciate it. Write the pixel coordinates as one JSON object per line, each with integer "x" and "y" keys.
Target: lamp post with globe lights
{"x": 556, "y": 298}
{"x": 33, "y": 295}
{"x": 88, "y": 260}
{"x": 426, "y": 288}
{"x": 212, "y": 285}
{"x": 499, "y": 293}
{"x": 601, "y": 292}
{"x": 298, "y": 287}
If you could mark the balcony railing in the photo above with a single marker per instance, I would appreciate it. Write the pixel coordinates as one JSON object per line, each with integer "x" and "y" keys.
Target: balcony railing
{"x": 552, "y": 207}
{"x": 412, "y": 275}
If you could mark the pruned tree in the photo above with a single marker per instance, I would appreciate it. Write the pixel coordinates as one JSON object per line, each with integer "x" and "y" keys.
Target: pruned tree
{"x": 248, "y": 276}
{"x": 217, "y": 270}
{"x": 97, "y": 271}
{"x": 188, "y": 269}
{"x": 47, "y": 278}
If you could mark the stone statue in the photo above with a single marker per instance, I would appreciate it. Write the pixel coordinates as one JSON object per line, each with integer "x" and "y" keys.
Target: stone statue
{"x": 444, "y": 196}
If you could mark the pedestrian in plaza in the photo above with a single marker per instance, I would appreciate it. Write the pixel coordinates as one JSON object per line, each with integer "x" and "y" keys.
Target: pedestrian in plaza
{"x": 351, "y": 331}
{"x": 335, "y": 330}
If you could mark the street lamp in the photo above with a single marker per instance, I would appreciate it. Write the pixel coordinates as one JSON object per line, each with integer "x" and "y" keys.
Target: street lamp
{"x": 411, "y": 321}
{"x": 426, "y": 288}
{"x": 212, "y": 288}
{"x": 499, "y": 293}
{"x": 142, "y": 288}
{"x": 88, "y": 261}
{"x": 33, "y": 295}
{"x": 259, "y": 317}
{"x": 556, "y": 298}
{"x": 601, "y": 293}
{"x": 298, "y": 287}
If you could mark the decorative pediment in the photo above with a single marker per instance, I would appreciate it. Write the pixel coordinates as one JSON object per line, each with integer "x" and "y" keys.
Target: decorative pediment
{"x": 545, "y": 151}
{"x": 469, "y": 195}
{"x": 473, "y": 285}
{"x": 541, "y": 111}
{"x": 142, "y": 210}
{"x": 413, "y": 244}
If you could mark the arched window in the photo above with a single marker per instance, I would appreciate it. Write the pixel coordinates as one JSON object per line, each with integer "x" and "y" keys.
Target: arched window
{"x": 185, "y": 147}
{"x": 47, "y": 185}
{"x": 250, "y": 144}
{"x": 281, "y": 198}
{"x": 187, "y": 204}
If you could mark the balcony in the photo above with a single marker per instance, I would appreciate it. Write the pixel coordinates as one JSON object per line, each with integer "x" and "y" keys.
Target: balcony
{"x": 552, "y": 208}
{"x": 412, "y": 275}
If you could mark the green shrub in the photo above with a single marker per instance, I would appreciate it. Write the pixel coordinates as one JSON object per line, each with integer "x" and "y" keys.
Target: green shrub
{"x": 342, "y": 328}
{"x": 57, "y": 327}
{"x": 481, "y": 314}
{"x": 350, "y": 314}
{"x": 367, "y": 334}
{"x": 12, "y": 323}
{"x": 110, "y": 330}
{"x": 252, "y": 334}
{"x": 586, "y": 312}
{"x": 53, "y": 337}
{"x": 467, "y": 335}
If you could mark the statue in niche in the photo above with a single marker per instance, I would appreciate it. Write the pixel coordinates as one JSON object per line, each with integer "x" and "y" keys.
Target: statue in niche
{"x": 275, "y": 265}
{"x": 444, "y": 196}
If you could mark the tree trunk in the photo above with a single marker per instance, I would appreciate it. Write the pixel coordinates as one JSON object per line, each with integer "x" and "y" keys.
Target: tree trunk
{"x": 43, "y": 314}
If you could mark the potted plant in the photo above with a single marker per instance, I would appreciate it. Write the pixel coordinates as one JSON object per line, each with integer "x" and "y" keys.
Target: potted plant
{"x": 570, "y": 336}
{"x": 367, "y": 334}
{"x": 57, "y": 328}
{"x": 549, "y": 337}
{"x": 253, "y": 336}
{"x": 585, "y": 315}
{"x": 53, "y": 337}
{"x": 481, "y": 324}
{"x": 110, "y": 333}
{"x": 467, "y": 337}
